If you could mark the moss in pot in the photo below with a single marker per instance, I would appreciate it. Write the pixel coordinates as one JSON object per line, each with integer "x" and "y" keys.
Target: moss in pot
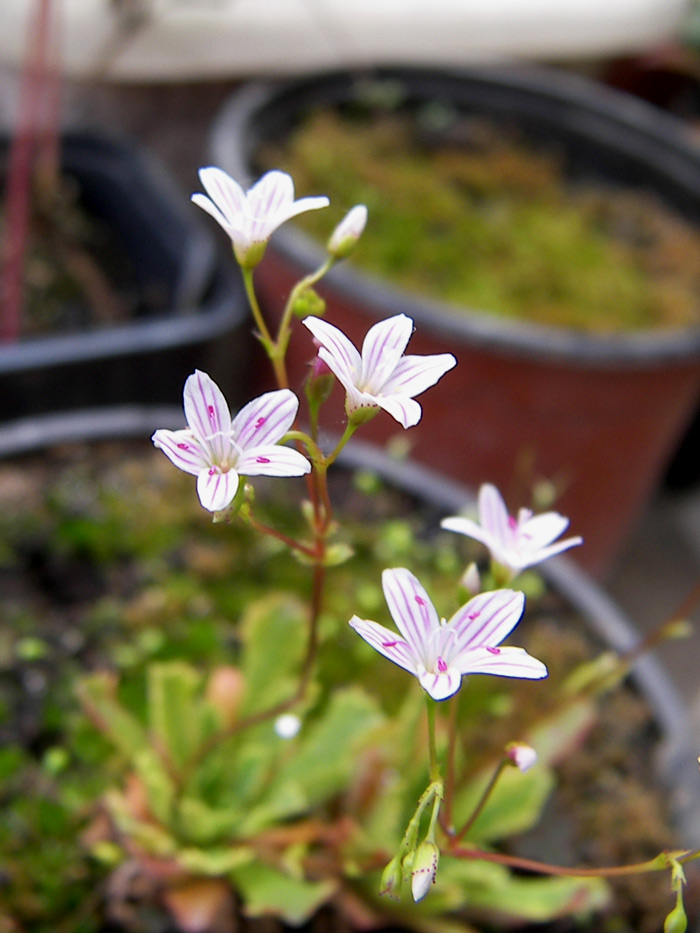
{"x": 472, "y": 214}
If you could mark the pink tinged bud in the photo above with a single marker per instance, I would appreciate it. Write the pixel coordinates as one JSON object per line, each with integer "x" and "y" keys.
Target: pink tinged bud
{"x": 424, "y": 869}
{"x": 521, "y": 755}
{"x": 348, "y": 232}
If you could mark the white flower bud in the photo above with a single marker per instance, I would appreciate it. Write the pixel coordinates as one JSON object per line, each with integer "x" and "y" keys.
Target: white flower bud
{"x": 348, "y": 232}
{"x": 522, "y": 756}
{"x": 424, "y": 869}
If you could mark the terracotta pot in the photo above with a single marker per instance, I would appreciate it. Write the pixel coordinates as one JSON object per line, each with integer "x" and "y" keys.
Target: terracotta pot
{"x": 599, "y": 416}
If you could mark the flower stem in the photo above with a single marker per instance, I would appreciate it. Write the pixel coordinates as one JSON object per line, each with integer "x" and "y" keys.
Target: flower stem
{"x": 488, "y": 790}
{"x": 660, "y": 863}
{"x": 435, "y": 775}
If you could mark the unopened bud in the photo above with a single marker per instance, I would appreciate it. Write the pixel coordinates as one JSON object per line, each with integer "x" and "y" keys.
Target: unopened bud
{"x": 521, "y": 755}
{"x": 309, "y": 302}
{"x": 677, "y": 920}
{"x": 392, "y": 878}
{"x": 424, "y": 869}
{"x": 320, "y": 381}
{"x": 471, "y": 580}
{"x": 345, "y": 236}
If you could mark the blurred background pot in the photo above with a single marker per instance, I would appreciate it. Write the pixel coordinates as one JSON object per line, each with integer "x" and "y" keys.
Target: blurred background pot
{"x": 598, "y": 415}
{"x": 188, "y": 311}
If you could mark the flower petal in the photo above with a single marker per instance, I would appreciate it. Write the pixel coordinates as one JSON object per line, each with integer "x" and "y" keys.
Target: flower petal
{"x": 387, "y": 643}
{"x": 414, "y": 374}
{"x": 182, "y": 448}
{"x": 272, "y": 460}
{"x": 224, "y": 191}
{"x": 382, "y": 349}
{"x": 493, "y": 514}
{"x": 468, "y": 527}
{"x": 208, "y": 414}
{"x": 266, "y": 200}
{"x": 442, "y": 685}
{"x": 541, "y": 530}
{"x": 215, "y": 489}
{"x": 341, "y": 356}
{"x": 404, "y": 409}
{"x": 233, "y": 230}
{"x": 503, "y": 662}
{"x": 410, "y": 607}
{"x": 487, "y": 619}
{"x": 266, "y": 419}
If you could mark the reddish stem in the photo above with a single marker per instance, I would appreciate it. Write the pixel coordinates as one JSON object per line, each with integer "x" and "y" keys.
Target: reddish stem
{"x": 38, "y": 80}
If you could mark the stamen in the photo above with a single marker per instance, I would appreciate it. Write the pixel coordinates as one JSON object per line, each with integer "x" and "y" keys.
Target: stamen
{"x": 389, "y": 644}
{"x": 260, "y": 422}
{"x": 493, "y": 650}
{"x": 262, "y": 460}
{"x": 441, "y": 666}
{"x": 184, "y": 446}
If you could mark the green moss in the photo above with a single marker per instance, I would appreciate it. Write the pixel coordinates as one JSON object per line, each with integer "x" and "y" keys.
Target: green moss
{"x": 482, "y": 220}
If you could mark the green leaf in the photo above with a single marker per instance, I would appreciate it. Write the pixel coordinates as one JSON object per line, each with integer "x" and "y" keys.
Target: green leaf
{"x": 98, "y": 694}
{"x": 267, "y": 891}
{"x": 202, "y": 824}
{"x": 326, "y": 757}
{"x": 273, "y": 630}
{"x": 173, "y": 709}
{"x": 215, "y": 862}
{"x": 159, "y": 786}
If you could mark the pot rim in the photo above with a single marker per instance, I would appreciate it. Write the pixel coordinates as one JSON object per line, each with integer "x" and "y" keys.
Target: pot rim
{"x": 616, "y": 120}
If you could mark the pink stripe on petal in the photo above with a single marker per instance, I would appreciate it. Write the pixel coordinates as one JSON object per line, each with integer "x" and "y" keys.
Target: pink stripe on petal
{"x": 493, "y": 513}
{"x": 383, "y": 347}
{"x": 224, "y": 191}
{"x": 273, "y": 461}
{"x": 509, "y": 662}
{"x": 415, "y": 374}
{"x": 342, "y": 351}
{"x": 266, "y": 419}
{"x": 182, "y": 449}
{"x": 404, "y": 409}
{"x": 443, "y": 685}
{"x": 387, "y": 643}
{"x": 410, "y": 607}
{"x": 488, "y": 618}
{"x": 216, "y": 490}
{"x": 208, "y": 414}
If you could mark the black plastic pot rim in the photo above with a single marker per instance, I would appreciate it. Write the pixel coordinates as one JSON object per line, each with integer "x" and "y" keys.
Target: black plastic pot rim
{"x": 214, "y": 316}
{"x": 614, "y": 114}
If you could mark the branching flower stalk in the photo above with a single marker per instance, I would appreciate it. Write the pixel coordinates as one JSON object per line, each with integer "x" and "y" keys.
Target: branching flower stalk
{"x": 224, "y": 452}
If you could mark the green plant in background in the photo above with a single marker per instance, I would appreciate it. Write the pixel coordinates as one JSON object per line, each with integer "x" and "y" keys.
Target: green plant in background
{"x": 248, "y": 745}
{"x": 480, "y": 218}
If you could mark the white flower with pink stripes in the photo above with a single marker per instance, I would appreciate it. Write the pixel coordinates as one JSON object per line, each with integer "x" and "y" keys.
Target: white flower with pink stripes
{"x": 515, "y": 543}
{"x": 382, "y": 377}
{"x": 251, "y": 217}
{"x": 440, "y": 653}
{"x": 219, "y": 450}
